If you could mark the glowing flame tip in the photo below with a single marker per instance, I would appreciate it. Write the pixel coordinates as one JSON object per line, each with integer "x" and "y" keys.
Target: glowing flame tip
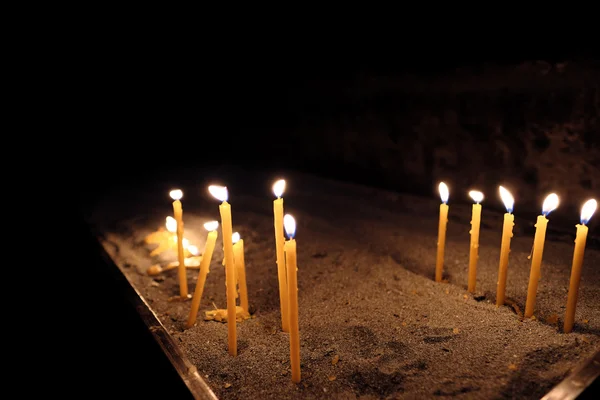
{"x": 289, "y": 223}
{"x": 279, "y": 187}
{"x": 211, "y": 225}
{"x": 588, "y": 210}
{"x": 176, "y": 194}
{"x": 444, "y": 193}
{"x": 171, "y": 224}
{"x": 507, "y": 199}
{"x": 193, "y": 250}
{"x": 219, "y": 192}
{"x": 550, "y": 204}
{"x": 476, "y": 196}
{"x": 235, "y": 237}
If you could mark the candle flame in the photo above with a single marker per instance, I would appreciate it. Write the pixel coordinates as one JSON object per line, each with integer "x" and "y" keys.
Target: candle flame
{"x": 444, "y": 193}
{"x": 176, "y": 194}
{"x": 211, "y": 226}
{"x": 476, "y": 196}
{"x": 289, "y": 223}
{"x": 235, "y": 237}
{"x": 171, "y": 224}
{"x": 550, "y": 204}
{"x": 185, "y": 242}
{"x": 279, "y": 187}
{"x": 588, "y": 210}
{"x": 193, "y": 250}
{"x": 507, "y": 199}
{"x": 219, "y": 192}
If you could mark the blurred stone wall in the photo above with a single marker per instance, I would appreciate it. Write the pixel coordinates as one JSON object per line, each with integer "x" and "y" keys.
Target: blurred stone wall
{"x": 533, "y": 127}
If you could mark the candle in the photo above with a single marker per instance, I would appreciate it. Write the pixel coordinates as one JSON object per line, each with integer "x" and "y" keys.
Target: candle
{"x": 165, "y": 239}
{"x": 441, "y": 245}
{"x": 176, "y": 195}
{"x": 550, "y": 203}
{"x": 292, "y": 279}
{"x": 278, "y": 188}
{"x": 209, "y": 247}
{"x": 240, "y": 266}
{"x": 220, "y": 193}
{"x": 168, "y": 240}
{"x": 587, "y": 211}
{"x": 474, "y": 253}
{"x": 507, "y": 234}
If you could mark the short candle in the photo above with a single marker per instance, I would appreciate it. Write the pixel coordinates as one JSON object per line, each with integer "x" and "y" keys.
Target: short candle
{"x": 209, "y": 247}
{"x": 550, "y": 204}
{"x": 240, "y": 267}
{"x": 587, "y": 211}
{"x": 291, "y": 263}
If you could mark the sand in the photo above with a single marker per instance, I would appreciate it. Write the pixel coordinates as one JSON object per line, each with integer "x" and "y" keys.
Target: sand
{"x": 373, "y": 323}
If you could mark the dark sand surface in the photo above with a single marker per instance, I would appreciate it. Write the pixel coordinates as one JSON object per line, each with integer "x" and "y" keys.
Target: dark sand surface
{"x": 366, "y": 296}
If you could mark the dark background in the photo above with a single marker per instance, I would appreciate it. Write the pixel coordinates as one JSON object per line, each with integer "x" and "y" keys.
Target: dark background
{"x": 389, "y": 116}
{"x": 474, "y": 116}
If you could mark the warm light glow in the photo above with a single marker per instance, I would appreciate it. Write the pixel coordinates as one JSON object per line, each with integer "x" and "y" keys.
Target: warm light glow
{"x": 171, "y": 224}
{"x": 193, "y": 250}
{"x": 219, "y": 192}
{"x": 289, "y": 223}
{"x": 211, "y": 226}
{"x": 550, "y": 204}
{"x": 476, "y": 196}
{"x": 588, "y": 210}
{"x": 176, "y": 194}
{"x": 185, "y": 243}
{"x": 507, "y": 199}
{"x": 235, "y": 237}
{"x": 279, "y": 187}
{"x": 444, "y": 193}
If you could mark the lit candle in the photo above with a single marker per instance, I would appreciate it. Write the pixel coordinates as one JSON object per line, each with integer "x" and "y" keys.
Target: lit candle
{"x": 165, "y": 239}
{"x": 586, "y": 213}
{"x": 278, "y": 188}
{"x": 292, "y": 278}
{"x": 507, "y": 234}
{"x": 209, "y": 247}
{"x": 240, "y": 266}
{"x": 441, "y": 245}
{"x": 176, "y": 195}
{"x": 220, "y": 193}
{"x": 475, "y": 223}
{"x": 171, "y": 225}
{"x": 550, "y": 203}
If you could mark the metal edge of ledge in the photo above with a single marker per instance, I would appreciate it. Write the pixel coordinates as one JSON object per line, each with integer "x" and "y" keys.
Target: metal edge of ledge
{"x": 579, "y": 380}
{"x": 198, "y": 387}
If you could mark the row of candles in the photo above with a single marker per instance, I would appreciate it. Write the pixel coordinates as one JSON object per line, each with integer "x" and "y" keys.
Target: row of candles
{"x": 550, "y": 204}
{"x": 235, "y": 270}
{"x": 235, "y": 273}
